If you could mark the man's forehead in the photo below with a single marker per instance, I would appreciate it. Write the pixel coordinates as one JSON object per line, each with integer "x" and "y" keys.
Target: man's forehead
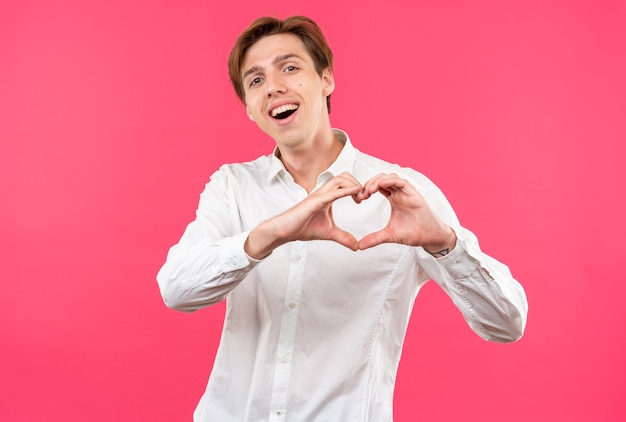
{"x": 273, "y": 49}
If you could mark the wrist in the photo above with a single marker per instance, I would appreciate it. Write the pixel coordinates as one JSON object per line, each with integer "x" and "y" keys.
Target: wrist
{"x": 262, "y": 241}
{"x": 443, "y": 248}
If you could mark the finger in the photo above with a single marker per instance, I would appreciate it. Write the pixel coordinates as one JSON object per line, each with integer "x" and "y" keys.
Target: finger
{"x": 383, "y": 180}
{"x": 344, "y": 180}
{"x": 344, "y": 238}
{"x": 374, "y": 239}
{"x": 360, "y": 196}
{"x": 336, "y": 188}
{"x": 371, "y": 186}
{"x": 349, "y": 178}
{"x": 393, "y": 182}
{"x": 342, "y": 191}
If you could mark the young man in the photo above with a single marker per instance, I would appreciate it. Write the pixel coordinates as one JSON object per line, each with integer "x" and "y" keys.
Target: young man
{"x": 320, "y": 251}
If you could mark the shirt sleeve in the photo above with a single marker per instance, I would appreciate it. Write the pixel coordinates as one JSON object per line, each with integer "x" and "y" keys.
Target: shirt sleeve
{"x": 209, "y": 260}
{"x": 492, "y": 302}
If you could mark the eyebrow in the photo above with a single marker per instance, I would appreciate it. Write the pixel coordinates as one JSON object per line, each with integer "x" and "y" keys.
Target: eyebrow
{"x": 277, "y": 59}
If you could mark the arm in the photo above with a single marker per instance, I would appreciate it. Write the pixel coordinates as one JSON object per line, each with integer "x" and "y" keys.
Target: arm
{"x": 209, "y": 259}
{"x": 212, "y": 258}
{"x": 492, "y": 302}
{"x": 490, "y": 299}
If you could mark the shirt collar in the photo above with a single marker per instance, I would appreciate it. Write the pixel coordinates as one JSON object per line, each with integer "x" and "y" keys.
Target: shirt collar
{"x": 344, "y": 162}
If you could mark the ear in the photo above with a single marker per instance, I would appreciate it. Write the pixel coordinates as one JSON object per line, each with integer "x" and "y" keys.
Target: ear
{"x": 249, "y": 114}
{"x": 328, "y": 81}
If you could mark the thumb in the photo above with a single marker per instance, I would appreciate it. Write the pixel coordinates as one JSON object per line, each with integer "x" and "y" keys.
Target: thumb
{"x": 344, "y": 238}
{"x": 374, "y": 239}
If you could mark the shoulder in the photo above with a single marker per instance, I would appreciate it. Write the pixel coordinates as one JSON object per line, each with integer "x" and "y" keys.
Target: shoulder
{"x": 255, "y": 169}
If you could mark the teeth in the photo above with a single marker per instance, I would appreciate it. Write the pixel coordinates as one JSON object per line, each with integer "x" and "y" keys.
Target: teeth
{"x": 283, "y": 109}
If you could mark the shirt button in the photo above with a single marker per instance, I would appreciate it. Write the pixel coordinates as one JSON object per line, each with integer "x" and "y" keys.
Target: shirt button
{"x": 292, "y": 305}
{"x": 284, "y": 359}
{"x": 233, "y": 260}
{"x": 297, "y": 257}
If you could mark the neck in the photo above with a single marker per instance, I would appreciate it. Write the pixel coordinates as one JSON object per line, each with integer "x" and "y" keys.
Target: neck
{"x": 307, "y": 162}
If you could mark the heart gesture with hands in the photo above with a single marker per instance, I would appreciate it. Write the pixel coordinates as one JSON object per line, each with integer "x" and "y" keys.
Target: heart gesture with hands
{"x": 411, "y": 221}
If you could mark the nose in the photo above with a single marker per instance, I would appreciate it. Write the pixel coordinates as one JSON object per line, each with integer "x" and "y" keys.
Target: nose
{"x": 274, "y": 85}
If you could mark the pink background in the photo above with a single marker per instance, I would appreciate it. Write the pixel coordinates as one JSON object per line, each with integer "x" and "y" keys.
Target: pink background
{"x": 114, "y": 114}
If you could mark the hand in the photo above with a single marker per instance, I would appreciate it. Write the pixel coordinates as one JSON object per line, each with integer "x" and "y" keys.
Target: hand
{"x": 310, "y": 219}
{"x": 411, "y": 222}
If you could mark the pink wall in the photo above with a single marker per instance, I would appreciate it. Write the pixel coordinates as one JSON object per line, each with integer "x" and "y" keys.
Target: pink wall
{"x": 114, "y": 114}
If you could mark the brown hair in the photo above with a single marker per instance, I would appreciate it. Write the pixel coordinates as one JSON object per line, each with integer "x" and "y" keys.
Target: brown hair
{"x": 302, "y": 27}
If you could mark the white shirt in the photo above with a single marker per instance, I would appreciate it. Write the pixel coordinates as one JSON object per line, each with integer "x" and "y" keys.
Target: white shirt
{"x": 314, "y": 332}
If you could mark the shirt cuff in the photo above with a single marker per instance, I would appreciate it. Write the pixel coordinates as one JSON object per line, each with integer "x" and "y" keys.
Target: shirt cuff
{"x": 458, "y": 263}
{"x": 232, "y": 254}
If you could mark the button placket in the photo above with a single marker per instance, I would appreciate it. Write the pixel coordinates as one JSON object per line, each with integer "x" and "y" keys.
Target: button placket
{"x": 284, "y": 350}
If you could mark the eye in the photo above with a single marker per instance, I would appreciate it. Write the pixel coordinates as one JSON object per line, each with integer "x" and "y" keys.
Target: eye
{"x": 255, "y": 81}
{"x": 290, "y": 68}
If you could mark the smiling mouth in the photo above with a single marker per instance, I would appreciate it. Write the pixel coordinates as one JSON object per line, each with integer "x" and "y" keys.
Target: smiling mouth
{"x": 284, "y": 111}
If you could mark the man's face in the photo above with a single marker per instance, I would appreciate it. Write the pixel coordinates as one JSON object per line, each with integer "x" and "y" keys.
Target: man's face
{"x": 285, "y": 95}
